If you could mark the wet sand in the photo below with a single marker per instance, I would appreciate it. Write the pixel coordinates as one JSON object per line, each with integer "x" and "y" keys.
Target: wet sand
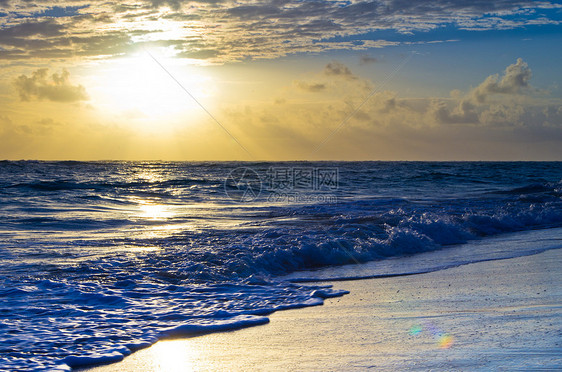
{"x": 504, "y": 314}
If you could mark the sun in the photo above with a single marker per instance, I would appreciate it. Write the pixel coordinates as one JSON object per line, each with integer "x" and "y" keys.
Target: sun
{"x": 144, "y": 89}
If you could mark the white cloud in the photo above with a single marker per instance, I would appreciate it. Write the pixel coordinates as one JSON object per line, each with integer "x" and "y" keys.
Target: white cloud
{"x": 516, "y": 78}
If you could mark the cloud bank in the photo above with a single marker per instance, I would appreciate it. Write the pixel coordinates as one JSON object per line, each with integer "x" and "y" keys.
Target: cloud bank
{"x": 226, "y": 30}
{"x": 501, "y": 116}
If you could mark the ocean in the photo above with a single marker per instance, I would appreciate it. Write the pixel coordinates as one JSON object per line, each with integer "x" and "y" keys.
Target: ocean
{"x": 99, "y": 259}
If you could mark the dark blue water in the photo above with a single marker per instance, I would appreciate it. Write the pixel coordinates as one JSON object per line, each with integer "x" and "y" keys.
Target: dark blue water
{"x": 101, "y": 258}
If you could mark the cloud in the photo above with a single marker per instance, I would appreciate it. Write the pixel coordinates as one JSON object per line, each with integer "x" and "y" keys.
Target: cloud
{"x": 200, "y": 54}
{"x": 516, "y": 78}
{"x": 387, "y": 126}
{"x": 244, "y": 29}
{"x": 503, "y": 114}
{"x": 390, "y": 127}
{"x": 339, "y": 70}
{"x": 56, "y": 88}
{"x": 336, "y": 82}
{"x": 310, "y": 87}
{"x": 509, "y": 107}
{"x": 46, "y": 28}
{"x": 463, "y": 113}
{"x": 366, "y": 59}
{"x": 475, "y": 106}
{"x": 335, "y": 79}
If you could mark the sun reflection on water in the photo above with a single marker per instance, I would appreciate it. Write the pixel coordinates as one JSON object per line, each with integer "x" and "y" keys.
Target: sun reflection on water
{"x": 173, "y": 356}
{"x": 155, "y": 211}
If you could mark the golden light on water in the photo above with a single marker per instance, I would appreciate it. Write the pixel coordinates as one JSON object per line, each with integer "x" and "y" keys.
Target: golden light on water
{"x": 155, "y": 212}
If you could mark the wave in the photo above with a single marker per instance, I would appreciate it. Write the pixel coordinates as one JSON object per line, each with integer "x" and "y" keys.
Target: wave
{"x": 118, "y": 318}
{"x": 77, "y": 245}
{"x": 61, "y": 185}
{"x": 491, "y": 249}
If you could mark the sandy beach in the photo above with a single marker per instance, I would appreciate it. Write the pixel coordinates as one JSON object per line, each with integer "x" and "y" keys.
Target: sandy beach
{"x": 500, "y": 315}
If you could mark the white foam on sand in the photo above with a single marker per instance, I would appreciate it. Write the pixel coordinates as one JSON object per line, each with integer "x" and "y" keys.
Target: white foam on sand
{"x": 489, "y": 315}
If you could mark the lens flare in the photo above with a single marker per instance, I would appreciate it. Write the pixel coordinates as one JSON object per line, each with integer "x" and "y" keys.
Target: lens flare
{"x": 415, "y": 330}
{"x": 446, "y": 341}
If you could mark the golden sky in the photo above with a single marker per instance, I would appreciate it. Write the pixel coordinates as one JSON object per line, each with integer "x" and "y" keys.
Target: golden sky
{"x": 280, "y": 80}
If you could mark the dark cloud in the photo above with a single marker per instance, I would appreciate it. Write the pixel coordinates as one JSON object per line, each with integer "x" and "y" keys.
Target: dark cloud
{"x": 244, "y": 29}
{"x": 310, "y": 87}
{"x": 362, "y": 116}
{"x": 200, "y": 54}
{"x": 173, "y": 4}
{"x": 112, "y": 43}
{"x": 47, "y": 28}
{"x": 462, "y": 114}
{"x": 56, "y": 88}
{"x": 366, "y": 59}
{"x": 340, "y": 70}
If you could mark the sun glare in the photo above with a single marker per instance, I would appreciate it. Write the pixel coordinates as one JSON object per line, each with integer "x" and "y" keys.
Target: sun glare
{"x": 138, "y": 90}
{"x": 173, "y": 356}
{"x": 155, "y": 212}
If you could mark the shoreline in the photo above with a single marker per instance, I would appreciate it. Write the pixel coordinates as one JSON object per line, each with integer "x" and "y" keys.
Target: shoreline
{"x": 492, "y": 314}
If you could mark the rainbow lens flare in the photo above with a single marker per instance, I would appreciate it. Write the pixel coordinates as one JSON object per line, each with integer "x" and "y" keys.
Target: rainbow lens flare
{"x": 446, "y": 341}
{"x": 415, "y": 330}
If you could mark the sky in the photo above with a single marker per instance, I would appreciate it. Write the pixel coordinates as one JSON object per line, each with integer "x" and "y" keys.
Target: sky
{"x": 280, "y": 80}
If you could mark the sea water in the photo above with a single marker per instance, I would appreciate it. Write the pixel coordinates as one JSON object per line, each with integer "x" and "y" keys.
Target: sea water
{"x": 98, "y": 259}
